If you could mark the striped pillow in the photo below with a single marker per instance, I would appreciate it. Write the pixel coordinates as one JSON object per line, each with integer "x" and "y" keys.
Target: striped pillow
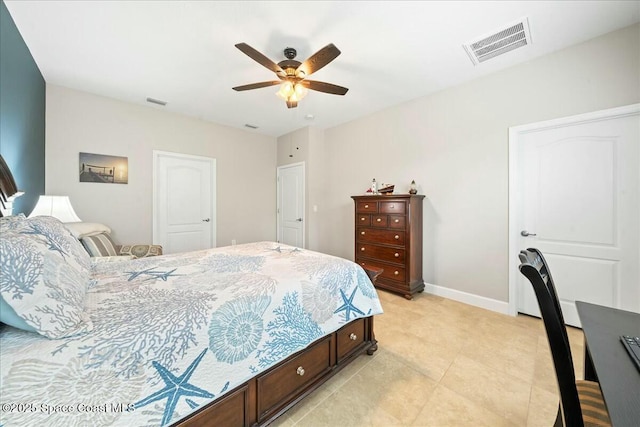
{"x": 99, "y": 245}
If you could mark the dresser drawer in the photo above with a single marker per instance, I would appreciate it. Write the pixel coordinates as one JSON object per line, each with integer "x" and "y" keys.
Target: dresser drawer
{"x": 396, "y": 221}
{"x": 379, "y": 221}
{"x": 367, "y": 207}
{"x": 349, "y": 338}
{"x": 391, "y": 272}
{"x": 394, "y": 273}
{"x": 381, "y": 253}
{"x": 363, "y": 220}
{"x": 392, "y": 207}
{"x": 294, "y": 375}
{"x": 373, "y": 235}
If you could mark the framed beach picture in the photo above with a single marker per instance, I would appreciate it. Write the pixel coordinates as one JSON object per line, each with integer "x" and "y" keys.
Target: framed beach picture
{"x": 104, "y": 169}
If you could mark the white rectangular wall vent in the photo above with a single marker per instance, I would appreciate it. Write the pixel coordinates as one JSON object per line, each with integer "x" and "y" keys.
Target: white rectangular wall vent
{"x": 500, "y": 42}
{"x": 157, "y": 101}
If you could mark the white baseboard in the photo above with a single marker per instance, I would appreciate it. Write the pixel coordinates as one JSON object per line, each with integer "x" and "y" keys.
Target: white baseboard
{"x": 467, "y": 298}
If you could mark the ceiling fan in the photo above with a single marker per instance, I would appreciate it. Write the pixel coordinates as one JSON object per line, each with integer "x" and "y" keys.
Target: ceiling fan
{"x": 293, "y": 74}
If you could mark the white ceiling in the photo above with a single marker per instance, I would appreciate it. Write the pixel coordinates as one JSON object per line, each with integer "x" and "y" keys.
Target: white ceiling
{"x": 392, "y": 51}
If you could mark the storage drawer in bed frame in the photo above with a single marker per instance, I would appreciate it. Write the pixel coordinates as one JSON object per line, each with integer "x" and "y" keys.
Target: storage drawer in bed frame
{"x": 350, "y": 338}
{"x": 279, "y": 384}
{"x": 267, "y": 396}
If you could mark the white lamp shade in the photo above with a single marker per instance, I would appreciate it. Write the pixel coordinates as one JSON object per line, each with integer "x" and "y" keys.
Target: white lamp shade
{"x": 57, "y": 207}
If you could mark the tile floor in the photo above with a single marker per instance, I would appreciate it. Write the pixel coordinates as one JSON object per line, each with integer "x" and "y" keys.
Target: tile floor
{"x": 443, "y": 363}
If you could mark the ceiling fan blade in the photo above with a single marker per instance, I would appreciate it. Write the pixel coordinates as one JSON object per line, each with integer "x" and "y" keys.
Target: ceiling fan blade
{"x": 259, "y": 58}
{"x": 318, "y": 60}
{"x": 324, "y": 87}
{"x": 257, "y": 85}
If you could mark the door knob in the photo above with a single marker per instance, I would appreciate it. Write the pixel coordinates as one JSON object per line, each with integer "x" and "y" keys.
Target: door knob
{"x": 206, "y": 220}
{"x": 299, "y": 219}
{"x": 525, "y": 233}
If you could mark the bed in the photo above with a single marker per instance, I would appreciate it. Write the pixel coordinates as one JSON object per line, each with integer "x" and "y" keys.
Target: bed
{"x": 226, "y": 336}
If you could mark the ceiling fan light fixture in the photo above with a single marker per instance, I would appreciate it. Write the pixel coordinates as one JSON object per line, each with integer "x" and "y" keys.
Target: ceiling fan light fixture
{"x": 292, "y": 73}
{"x": 292, "y": 93}
{"x": 300, "y": 91}
{"x": 286, "y": 90}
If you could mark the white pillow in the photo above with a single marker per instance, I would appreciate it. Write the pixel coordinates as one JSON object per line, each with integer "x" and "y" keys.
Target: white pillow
{"x": 84, "y": 229}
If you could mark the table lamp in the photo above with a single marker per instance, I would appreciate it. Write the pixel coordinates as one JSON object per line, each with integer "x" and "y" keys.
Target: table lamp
{"x": 57, "y": 207}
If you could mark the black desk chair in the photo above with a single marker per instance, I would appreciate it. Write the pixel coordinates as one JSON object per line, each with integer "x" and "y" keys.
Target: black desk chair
{"x": 581, "y": 403}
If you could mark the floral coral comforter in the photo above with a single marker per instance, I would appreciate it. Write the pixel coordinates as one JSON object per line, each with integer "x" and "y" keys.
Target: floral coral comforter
{"x": 174, "y": 332}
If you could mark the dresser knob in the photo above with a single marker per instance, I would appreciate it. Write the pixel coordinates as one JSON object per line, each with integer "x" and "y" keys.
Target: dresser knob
{"x": 379, "y": 219}
{"x": 396, "y": 272}
{"x": 397, "y": 220}
{"x": 396, "y": 237}
{"x": 396, "y": 255}
{"x": 362, "y": 232}
{"x": 366, "y": 206}
{"x": 353, "y": 337}
{"x": 300, "y": 371}
{"x": 362, "y": 219}
{"x": 362, "y": 263}
{"x": 362, "y": 249}
{"x": 391, "y": 206}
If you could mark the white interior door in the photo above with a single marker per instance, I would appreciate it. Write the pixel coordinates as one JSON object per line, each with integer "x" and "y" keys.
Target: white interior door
{"x": 291, "y": 205}
{"x": 184, "y": 202}
{"x": 579, "y": 191}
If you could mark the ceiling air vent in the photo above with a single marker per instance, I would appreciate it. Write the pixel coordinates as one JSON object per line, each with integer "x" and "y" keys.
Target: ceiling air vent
{"x": 157, "y": 101}
{"x": 502, "y": 41}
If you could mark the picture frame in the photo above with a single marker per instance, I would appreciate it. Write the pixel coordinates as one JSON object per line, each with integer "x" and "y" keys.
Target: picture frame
{"x": 103, "y": 169}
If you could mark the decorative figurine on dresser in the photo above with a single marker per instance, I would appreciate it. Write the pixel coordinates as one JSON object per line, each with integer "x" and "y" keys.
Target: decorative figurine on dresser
{"x": 389, "y": 236}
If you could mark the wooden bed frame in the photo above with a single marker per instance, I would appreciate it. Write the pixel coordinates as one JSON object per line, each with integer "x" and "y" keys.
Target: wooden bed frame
{"x": 271, "y": 393}
{"x": 8, "y": 185}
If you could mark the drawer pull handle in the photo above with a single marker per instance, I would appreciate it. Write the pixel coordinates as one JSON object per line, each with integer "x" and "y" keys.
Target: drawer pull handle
{"x": 379, "y": 219}
{"x": 396, "y": 255}
{"x": 391, "y": 206}
{"x": 366, "y": 206}
{"x": 362, "y": 219}
{"x": 300, "y": 371}
{"x": 396, "y": 272}
{"x": 396, "y": 221}
{"x": 396, "y": 237}
{"x": 362, "y": 249}
{"x": 353, "y": 337}
{"x": 362, "y": 232}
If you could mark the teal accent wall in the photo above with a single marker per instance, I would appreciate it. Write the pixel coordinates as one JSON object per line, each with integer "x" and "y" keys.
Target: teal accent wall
{"x": 22, "y": 113}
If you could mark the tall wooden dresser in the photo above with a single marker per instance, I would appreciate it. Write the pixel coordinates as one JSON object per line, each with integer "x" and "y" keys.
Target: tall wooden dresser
{"x": 389, "y": 236}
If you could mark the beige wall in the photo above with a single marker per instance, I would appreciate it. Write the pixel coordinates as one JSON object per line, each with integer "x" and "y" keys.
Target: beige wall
{"x": 454, "y": 144}
{"x": 81, "y": 122}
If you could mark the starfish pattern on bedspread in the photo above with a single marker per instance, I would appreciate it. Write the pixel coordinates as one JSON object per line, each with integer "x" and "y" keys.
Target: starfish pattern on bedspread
{"x": 163, "y": 275}
{"x": 348, "y": 306}
{"x": 175, "y": 388}
{"x": 280, "y": 250}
